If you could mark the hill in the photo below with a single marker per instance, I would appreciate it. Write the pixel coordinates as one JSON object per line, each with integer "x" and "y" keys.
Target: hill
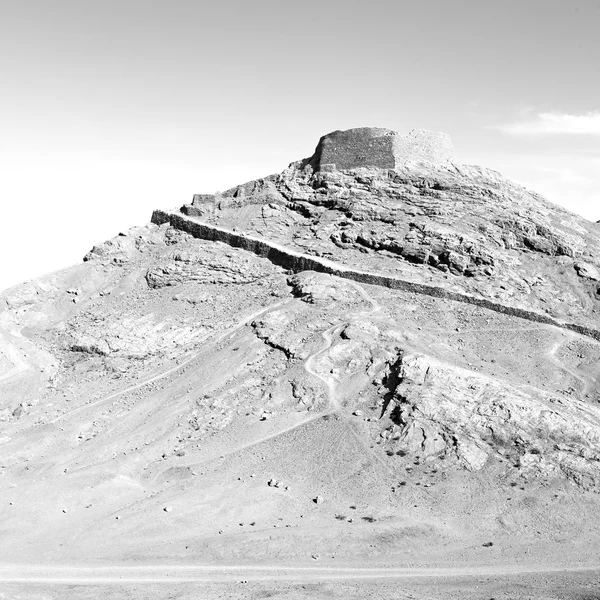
{"x": 378, "y": 358}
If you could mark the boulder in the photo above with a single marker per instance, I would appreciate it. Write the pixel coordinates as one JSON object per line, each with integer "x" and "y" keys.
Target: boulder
{"x": 587, "y": 271}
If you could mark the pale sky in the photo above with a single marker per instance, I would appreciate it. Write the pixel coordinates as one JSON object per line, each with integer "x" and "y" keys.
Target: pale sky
{"x": 111, "y": 109}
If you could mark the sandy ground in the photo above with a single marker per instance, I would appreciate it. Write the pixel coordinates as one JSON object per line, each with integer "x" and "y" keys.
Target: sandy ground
{"x": 158, "y": 583}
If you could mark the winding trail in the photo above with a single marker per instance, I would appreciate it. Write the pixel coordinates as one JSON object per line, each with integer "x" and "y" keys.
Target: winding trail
{"x": 551, "y": 356}
{"x": 297, "y": 261}
{"x": 329, "y": 381}
{"x": 327, "y": 335}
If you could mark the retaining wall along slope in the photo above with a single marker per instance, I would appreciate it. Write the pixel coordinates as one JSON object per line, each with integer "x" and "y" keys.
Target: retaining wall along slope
{"x": 297, "y": 262}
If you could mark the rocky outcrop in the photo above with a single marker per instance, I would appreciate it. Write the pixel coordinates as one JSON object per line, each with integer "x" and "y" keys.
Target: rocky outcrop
{"x": 442, "y": 409}
{"x": 429, "y": 245}
{"x": 587, "y": 271}
{"x": 206, "y": 265}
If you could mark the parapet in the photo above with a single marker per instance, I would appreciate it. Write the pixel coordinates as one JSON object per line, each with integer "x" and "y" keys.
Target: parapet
{"x": 382, "y": 148}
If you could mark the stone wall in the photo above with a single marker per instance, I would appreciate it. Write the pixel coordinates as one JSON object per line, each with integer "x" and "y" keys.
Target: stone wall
{"x": 381, "y": 148}
{"x": 366, "y": 146}
{"x": 297, "y": 262}
{"x": 420, "y": 145}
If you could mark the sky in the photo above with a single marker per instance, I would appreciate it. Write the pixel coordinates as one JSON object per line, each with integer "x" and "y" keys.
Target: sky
{"x": 111, "y": 109}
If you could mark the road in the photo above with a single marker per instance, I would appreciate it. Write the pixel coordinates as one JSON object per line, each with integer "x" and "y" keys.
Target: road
{"x": 116, "y": 574}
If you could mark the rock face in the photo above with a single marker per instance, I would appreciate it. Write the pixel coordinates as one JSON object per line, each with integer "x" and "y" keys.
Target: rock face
{"x": 381, "y": 148}
{"x": 442, "y": 408}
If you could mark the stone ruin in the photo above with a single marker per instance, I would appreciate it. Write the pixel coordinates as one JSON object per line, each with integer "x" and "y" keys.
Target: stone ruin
{"x": 351, "y": 149}
{"x": 382, "y": 148}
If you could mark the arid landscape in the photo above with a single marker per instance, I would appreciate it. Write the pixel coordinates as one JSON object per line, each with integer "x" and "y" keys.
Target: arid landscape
{"x": 373, "y": 375}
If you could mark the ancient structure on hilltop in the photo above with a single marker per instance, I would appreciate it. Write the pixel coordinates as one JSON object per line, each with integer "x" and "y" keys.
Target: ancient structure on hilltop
{"x": 382, "y": 148}
{"x": 343, "y": 150}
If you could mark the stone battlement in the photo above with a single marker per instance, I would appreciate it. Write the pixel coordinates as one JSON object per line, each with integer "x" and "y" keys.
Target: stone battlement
{"x": 382, "y": 148}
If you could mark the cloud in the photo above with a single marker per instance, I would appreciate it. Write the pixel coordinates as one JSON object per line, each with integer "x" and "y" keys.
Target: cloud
{"x": 555, "y": 123}
{"x": 566, "y": 175}
{"x": 564, "y": 178}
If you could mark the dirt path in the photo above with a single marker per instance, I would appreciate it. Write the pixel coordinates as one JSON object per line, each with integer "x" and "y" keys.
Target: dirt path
{"x": 265, "y": 438}
{"x": 375, "y": 306}
{"x": 551, "y": 356}
{"x": 329, "y": 381}
{"x": 466, "y": 331}
{"x": 241, "y": 323}
{"x": 197, "y": 573}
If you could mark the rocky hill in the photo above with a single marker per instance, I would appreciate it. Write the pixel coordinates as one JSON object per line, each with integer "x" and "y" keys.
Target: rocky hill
{"x": 378, "y": 357}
